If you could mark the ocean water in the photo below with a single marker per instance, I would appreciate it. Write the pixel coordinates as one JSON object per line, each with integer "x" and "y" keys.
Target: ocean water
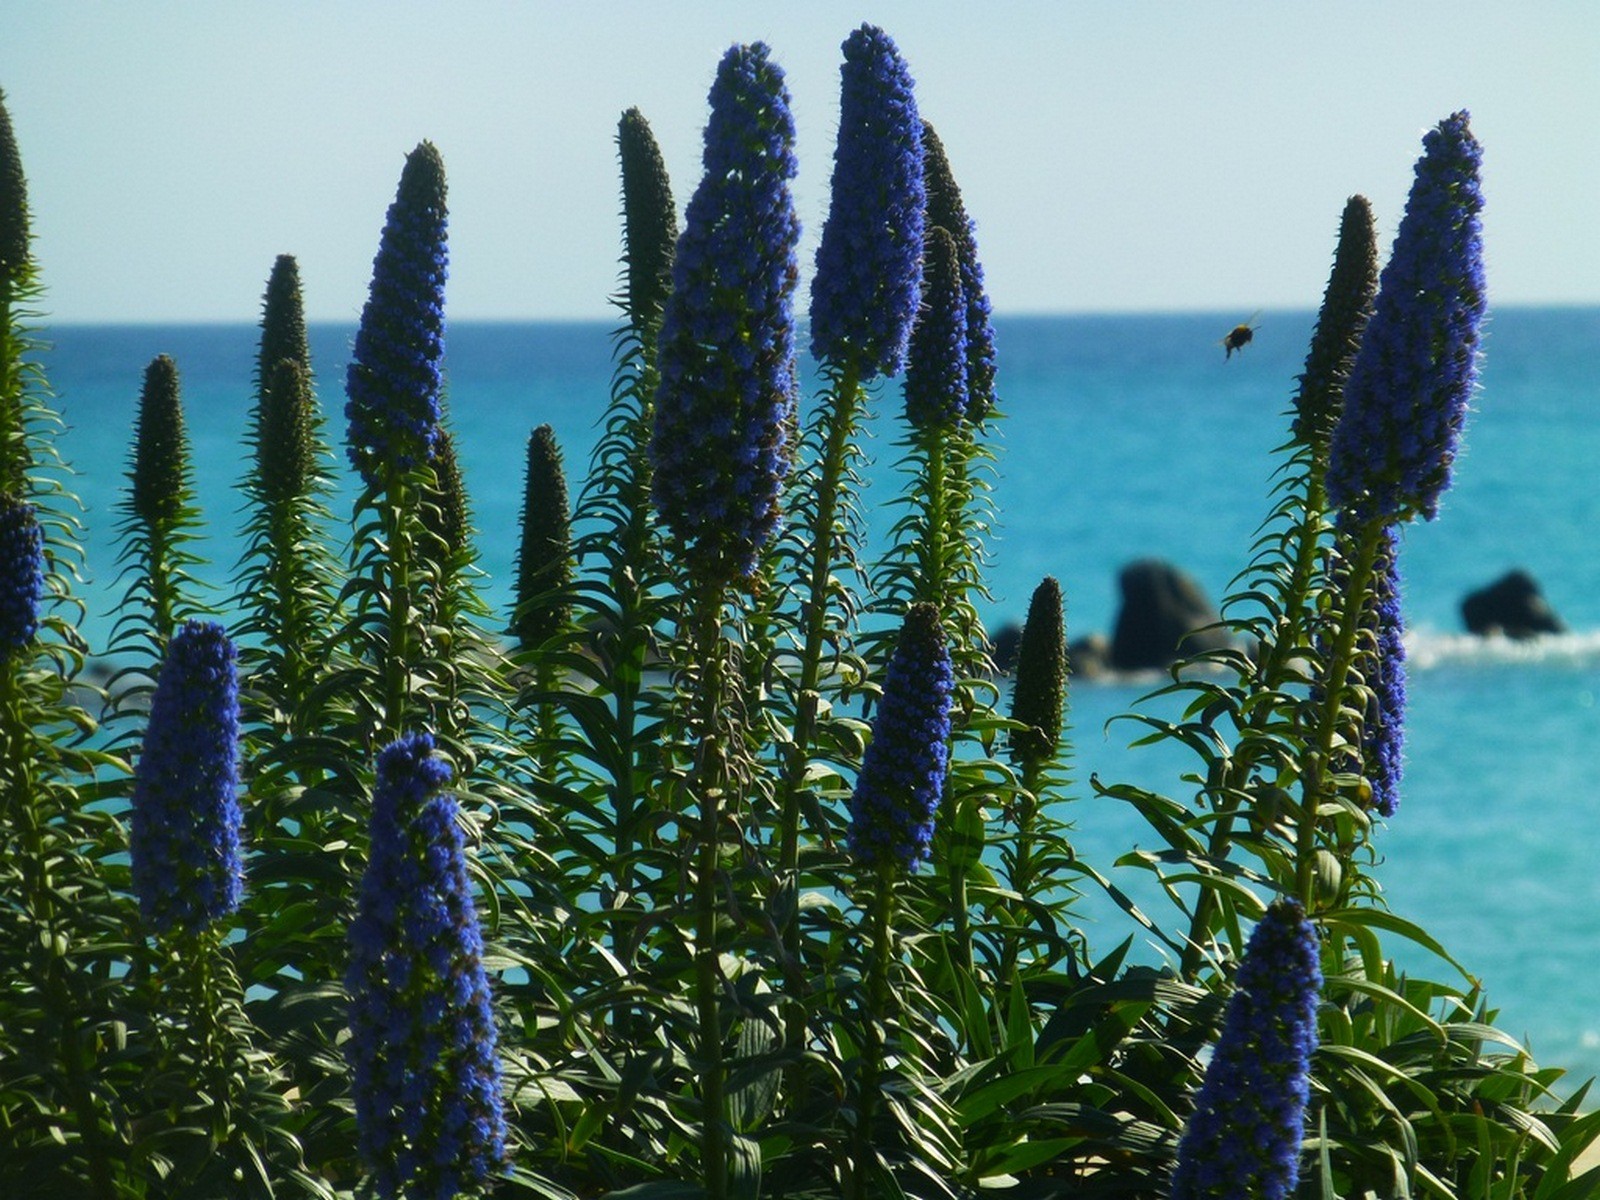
{"x": 1124, "y": 437}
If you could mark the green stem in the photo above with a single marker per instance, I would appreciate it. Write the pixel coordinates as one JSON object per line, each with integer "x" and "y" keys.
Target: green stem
{"x": 52, "y": 939}
{"x": 862, "y": 1154}
{"x": 841, "y": 417}
{"x": 192, "y": 958}
{"x": 1022, "y": 881}
{"x": 933, "y": 582}
{"x": 934, "y": 587}
{"x": 161, "y": 598}
{"x": 548, "y": 726}
{"x": 1289, "y": 638}
{"x": 396, "y": 664}
{"x": 711, "y": 776}
{"x": 1318, "y": 760}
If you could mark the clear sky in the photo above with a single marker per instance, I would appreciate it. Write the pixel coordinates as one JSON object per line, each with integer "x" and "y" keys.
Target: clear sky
{"x": 1116, "y": 154}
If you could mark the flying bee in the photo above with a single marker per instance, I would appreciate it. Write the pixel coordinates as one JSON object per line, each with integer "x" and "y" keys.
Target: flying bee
{"x": 1239, "y": 336}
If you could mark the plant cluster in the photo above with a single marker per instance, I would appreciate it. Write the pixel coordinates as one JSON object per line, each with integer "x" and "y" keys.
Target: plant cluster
{"x": 722, "y": 865}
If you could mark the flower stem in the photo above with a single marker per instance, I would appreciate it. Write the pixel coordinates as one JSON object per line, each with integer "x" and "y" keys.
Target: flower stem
{"x": 873, "y": 1027}
{"x": 1317, "y": 764}
{"x": 840, "y": 416}
{"x": 396, "y": 663}
{"x": 711, "y": 775}
{"x": 1290, "y": 636}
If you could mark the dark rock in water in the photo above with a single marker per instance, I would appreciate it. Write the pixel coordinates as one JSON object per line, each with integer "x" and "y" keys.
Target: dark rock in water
{"x": 1089, "y": 657}
{"x": 1512, "y": 605}
{"x": 1003, "y": 646}
{"x": 1161, "y": 607}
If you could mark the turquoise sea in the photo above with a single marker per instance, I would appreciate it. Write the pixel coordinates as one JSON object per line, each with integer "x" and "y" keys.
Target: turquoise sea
{"x": 1124, "y": 437}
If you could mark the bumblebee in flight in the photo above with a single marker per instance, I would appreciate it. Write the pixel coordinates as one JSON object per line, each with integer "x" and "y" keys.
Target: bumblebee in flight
{"x": 1239, "y": 337}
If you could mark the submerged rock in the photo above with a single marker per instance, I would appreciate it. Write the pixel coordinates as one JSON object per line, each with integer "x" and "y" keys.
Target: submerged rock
{"x": 1003, "y": 647}
{"x": 1089, "y": 657}
{"x": 1512, "y": 605}
{"x": 1162, "y": 610}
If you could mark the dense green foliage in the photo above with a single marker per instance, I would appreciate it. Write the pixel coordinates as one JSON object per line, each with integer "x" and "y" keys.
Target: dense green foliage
{"x": 698, "y": 990}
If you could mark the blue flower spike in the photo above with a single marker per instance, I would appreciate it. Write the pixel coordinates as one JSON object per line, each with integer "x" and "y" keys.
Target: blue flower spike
{"x": 726, "y": 397}
{"x": 396, "y": 368}
{"x": 184, "y": 837}
{"x": 1406, "y": 399}
{"x": 424, "y": 1070}
{"x": 902, "y": 775}
{"x": 1244, "y": 1136}
{"x": 869, "y": 264}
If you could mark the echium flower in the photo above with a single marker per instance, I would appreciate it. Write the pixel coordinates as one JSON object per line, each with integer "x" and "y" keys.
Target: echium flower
{"x": 936, "y": 375}
{"x": 283, "y": 322}
{"x": 160, "y": 478}
{"x": 1346, "y": 308}
{"x": 902, "y": 774}
{"x": 1406, "y": 398}
{"x": 864, "y": 293}
{"x": 21, "y": 574}
{"x": 1383, "y": 732}
{"x": 395, "y": 369}
{"x": 185, "y": 817}
{"x": 425, "y": 1076}
{"x": 14, "y": 233}
{"x": 445, "y": 511}
{"x": 544, "y": 558}
{"x": 1243, "y": 1138}
{"x": 725, "y": 402}
{"x": 1038, "y": 697}
{"x": 650, "y": 219}
{"x": 946, "y": 211}
{"x": 286, "y": 448}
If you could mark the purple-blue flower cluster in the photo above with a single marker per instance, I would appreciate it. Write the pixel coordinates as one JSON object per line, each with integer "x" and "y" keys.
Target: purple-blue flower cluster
{"x": 727, "y": 391}
{"x": 184, "y": 839}
{"x": 1244, "y": 1136}
{"x": 1383, "y": 735}
{"x": 902, "y": 774}
{"x": 425, "y": 1075}
{"x": 936, "y": 375}
{"x": 395, "y": 368}
{"x": 21, "y": 574}
{"x": 1406, "y": 398}
{"x": 864, "y": 294}
{"x": 947, "y": 211}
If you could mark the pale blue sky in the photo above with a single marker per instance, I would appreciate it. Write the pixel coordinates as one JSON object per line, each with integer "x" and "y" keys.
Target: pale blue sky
{"x": 1116, "y": 154}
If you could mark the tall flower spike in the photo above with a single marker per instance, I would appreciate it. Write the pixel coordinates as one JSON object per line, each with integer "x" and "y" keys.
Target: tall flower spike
{"x": 937, "y": 396}
{"x": 1039, "y": 696}
{"x": 544, "y": 559}
{"x": 14, "y": 232}
{"x": 1346, "y": 308}
{"x": 21, "y": 575}
{"x": 286, "y": 453}
{"x": 1244, "y": 1136}
{"x": 424, "y": 1072}
{"x": 1406, "y": 398}
{"x": 650, "y": 219}
{"x": 897, "y": 793}
{"x": 185, "y": 819}
{"x": 864, "y": 293}
{"x": 445, "y": 510}
{"x": 160, "y": 474}
{"x": 946, "y": 211}
{"x": 283, "y": 322}
{"x": 395, "y": 370}
{"x": 726, "y": 398}
{"x": 1383, "y": 733}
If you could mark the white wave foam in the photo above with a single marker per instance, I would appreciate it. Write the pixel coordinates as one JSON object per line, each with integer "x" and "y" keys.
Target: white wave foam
{"x": 1427, "y": 649}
